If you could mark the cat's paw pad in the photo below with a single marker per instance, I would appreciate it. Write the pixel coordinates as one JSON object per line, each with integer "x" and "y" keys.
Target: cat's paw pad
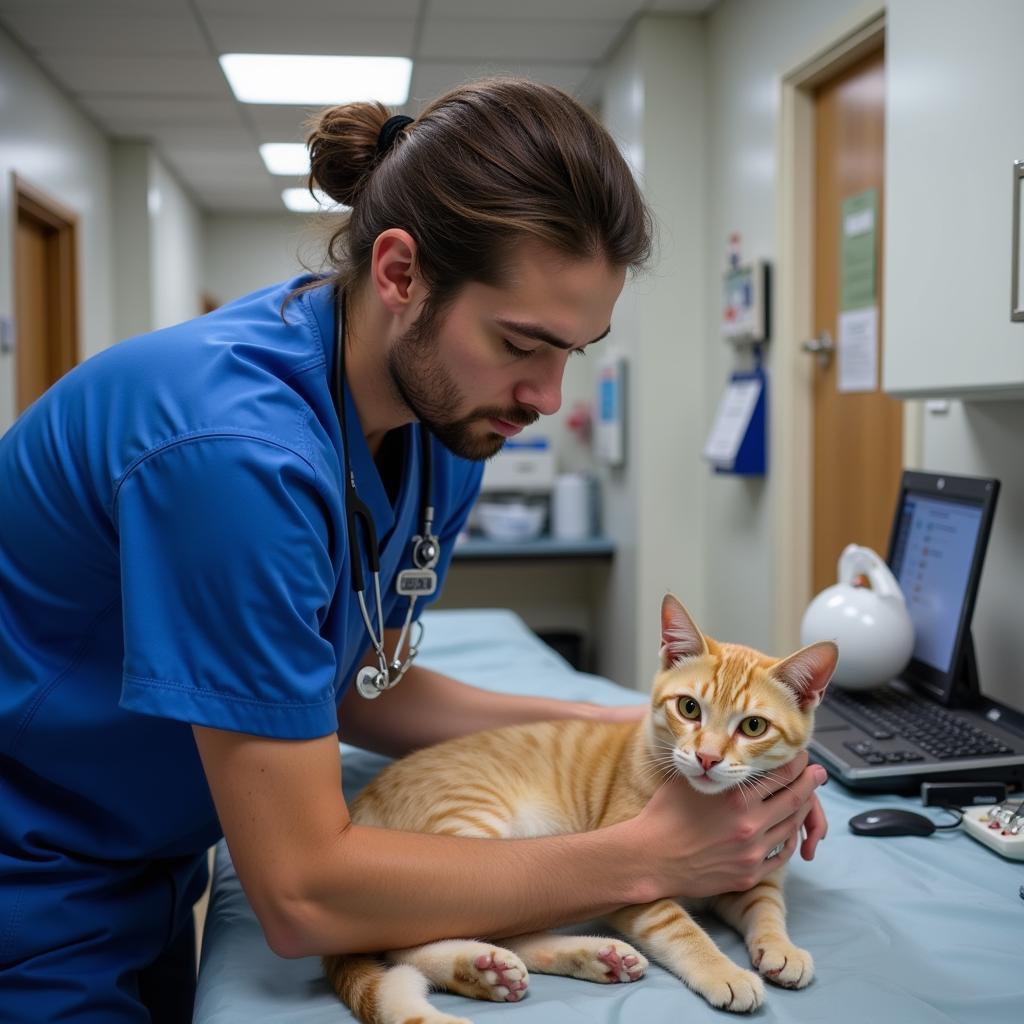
{"x": 729, "y": 987}
{"x": 784, "y": 964}
{"x": 621, "y": 963}
{"x": 497, "y": 975}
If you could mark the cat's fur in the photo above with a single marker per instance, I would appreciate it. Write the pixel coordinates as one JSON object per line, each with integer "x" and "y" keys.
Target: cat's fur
{"x": 574, "y": 776}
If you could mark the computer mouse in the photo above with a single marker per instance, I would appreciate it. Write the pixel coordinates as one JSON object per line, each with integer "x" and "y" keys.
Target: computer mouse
{"x": 891, "y": 821}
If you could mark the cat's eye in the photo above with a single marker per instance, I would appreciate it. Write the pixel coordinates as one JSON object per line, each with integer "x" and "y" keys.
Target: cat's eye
{"x": 689, "y": 708}
{"x": 754, "y": 726}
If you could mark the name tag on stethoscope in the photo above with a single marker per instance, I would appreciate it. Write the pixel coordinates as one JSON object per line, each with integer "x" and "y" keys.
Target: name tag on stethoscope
{"x": 416, "y": 582}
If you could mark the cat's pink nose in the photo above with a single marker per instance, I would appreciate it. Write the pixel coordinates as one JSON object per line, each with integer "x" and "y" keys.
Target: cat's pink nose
{"x": 708, "y": 761}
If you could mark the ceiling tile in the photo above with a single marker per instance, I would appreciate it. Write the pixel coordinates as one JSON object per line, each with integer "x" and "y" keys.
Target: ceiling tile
{"x": 681, "y": 6}
{"x": 163, "y": 111}
{"x": 280, "y": 123}
{"x": 373, "y": 37}
{"x": 241, "y": 198}
{"x": 562, "y": 41}
{"x": 432, "y": 78}
{"x": 125, "y": 8}
{"x": 298, "y": 9}
{"x": 584, "y": 10}
{"x": 218, "y": 172}
{"x": 81, "y": 30}
{"x": 139, "y": 76}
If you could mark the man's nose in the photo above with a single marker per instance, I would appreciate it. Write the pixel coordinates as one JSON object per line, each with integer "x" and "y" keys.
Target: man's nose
{"x": 707, "y": 761}
{"x": 543, "y": 391}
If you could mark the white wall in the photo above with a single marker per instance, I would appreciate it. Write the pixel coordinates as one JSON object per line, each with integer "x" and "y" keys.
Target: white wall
{"x": 654, "y": 105}
{"x": 132, "y": 249}
{"x": 245, "y": 252}
{"x": 158, "y": 243}
{"x": 53, "y": 146}
{"x": 749, "y": 45}
{"x": 176, "y": 247}
{"x": 987, "y": 439}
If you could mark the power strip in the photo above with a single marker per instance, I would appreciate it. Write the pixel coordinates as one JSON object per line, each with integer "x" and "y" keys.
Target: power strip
{"x": 976, "y": 824}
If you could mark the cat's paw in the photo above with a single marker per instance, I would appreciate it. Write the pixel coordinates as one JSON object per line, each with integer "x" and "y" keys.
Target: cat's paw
{"x": 729, "y": 987}
{"x": 782, "y": 963}
{"x": 495, "y": 974}
{"x": 621, "y": 962}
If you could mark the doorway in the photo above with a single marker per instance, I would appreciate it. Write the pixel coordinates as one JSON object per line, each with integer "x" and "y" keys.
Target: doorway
{"x": 798, "y": 375}
{"x": 46, "y": 290}
{"x": 857, "y": 438}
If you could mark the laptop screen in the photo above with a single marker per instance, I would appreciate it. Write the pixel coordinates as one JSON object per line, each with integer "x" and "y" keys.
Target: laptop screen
{"x": 936, "y": 552}
{"x": 932, "y": 558}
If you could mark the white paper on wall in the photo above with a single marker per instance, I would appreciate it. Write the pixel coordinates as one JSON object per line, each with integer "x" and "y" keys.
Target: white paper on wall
{"x": 732, "y": 418}
{"x": 857, "y": 368}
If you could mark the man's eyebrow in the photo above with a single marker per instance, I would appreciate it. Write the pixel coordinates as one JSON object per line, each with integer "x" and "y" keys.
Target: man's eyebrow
{"x": 542, "y": 334}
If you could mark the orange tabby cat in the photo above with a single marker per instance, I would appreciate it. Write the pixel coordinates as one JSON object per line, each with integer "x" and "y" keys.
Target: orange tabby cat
{"x": 721, "y": 714}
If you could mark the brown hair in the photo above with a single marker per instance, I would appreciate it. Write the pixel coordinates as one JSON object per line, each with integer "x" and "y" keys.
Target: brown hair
{"x": 485, "y": 166}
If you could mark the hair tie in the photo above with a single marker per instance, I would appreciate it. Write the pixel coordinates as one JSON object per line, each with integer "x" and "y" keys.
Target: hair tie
{"x": 389, "y": 132}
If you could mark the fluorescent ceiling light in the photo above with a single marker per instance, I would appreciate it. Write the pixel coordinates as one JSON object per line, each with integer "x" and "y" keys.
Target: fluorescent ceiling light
{"x": 299, "y": 200}
{"x": 294, "y": 78}
{"x": 285, "y": 157}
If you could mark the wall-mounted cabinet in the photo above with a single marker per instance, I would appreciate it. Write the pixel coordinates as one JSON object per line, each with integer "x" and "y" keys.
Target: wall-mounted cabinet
{"x": 954, "y": 132}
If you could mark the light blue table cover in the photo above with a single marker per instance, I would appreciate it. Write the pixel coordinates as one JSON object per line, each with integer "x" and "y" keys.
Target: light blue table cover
{"x": 904, "y": 930}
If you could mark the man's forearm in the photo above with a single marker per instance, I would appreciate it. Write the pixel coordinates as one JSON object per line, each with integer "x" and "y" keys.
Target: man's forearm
{"x": 379, "y": 889}
{"x": 427, "y": 707}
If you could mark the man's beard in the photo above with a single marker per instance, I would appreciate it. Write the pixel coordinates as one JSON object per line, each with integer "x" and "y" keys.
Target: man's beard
{"x": 429, "y": 391}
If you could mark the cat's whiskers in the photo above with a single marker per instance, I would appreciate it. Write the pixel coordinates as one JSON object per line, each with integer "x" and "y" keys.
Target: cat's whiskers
{"x": 742, "y": 785}
{"x": 659, "y": 766}
{"x": 758, "y": 785}
{"x": 766, "y": 775}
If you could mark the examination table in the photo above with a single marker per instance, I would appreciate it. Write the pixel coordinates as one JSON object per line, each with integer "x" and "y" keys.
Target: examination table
{"x": 903, "y": 930}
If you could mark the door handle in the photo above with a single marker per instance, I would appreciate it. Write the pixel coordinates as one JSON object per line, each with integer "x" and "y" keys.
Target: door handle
{"x": 822, "y": 346}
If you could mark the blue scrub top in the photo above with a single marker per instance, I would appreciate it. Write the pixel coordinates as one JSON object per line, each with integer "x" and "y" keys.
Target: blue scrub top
{"x": 173, "y": 550}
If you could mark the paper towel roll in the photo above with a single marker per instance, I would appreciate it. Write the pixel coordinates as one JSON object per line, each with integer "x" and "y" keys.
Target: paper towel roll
{"x": 572, "y": 507}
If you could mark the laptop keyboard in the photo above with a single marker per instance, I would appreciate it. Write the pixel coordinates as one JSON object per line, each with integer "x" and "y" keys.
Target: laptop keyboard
{"x": 887, "y": 714}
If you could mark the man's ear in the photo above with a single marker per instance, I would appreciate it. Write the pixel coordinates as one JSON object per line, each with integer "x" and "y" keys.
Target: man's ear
{"x": 393, "y": 270}
{"x": 680, "y": 637}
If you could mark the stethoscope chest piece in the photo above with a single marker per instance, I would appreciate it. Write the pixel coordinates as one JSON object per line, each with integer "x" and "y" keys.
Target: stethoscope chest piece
{"x": 370, "y": 682}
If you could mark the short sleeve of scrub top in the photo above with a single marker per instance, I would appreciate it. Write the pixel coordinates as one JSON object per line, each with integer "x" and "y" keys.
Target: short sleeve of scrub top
{"x": 227, "y": 578}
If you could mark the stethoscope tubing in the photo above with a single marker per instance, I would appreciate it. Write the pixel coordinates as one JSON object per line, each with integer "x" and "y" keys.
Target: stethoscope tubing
{"x": 426, "y": 548}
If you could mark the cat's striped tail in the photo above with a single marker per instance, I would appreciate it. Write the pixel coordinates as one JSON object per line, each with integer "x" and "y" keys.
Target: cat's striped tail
{"x": 357, "y": 981}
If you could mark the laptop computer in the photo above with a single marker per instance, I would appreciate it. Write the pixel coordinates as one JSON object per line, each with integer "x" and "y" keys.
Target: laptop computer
{"x": 932, "y": 724}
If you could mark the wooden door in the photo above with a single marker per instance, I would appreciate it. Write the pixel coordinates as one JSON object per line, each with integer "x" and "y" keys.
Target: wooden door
{"x": 858, "y": 436}
{"x": 45, "y": 292}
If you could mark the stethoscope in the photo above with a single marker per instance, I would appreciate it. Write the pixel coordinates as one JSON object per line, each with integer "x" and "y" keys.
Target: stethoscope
{"x": 426, "y": 549}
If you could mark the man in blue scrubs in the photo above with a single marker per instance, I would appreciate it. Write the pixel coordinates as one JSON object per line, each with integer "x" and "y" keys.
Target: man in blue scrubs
{"x": 178, "y": 631}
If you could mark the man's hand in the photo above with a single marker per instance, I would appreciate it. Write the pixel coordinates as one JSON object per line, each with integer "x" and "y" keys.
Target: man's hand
{"x": 705, "y": 845}
{"x": 816, "y": 826}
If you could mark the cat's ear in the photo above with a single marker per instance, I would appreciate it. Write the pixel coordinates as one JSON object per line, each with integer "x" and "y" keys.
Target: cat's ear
{"x": 808, "y": 671}
{"x": 680, "y": 637}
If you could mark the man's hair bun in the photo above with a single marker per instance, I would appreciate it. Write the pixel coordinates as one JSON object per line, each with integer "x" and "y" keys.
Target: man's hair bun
{"x": 342, "y": 144}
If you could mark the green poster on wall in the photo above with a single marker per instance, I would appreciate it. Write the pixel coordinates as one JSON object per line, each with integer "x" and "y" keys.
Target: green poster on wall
{"x": 857, "y": 234}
